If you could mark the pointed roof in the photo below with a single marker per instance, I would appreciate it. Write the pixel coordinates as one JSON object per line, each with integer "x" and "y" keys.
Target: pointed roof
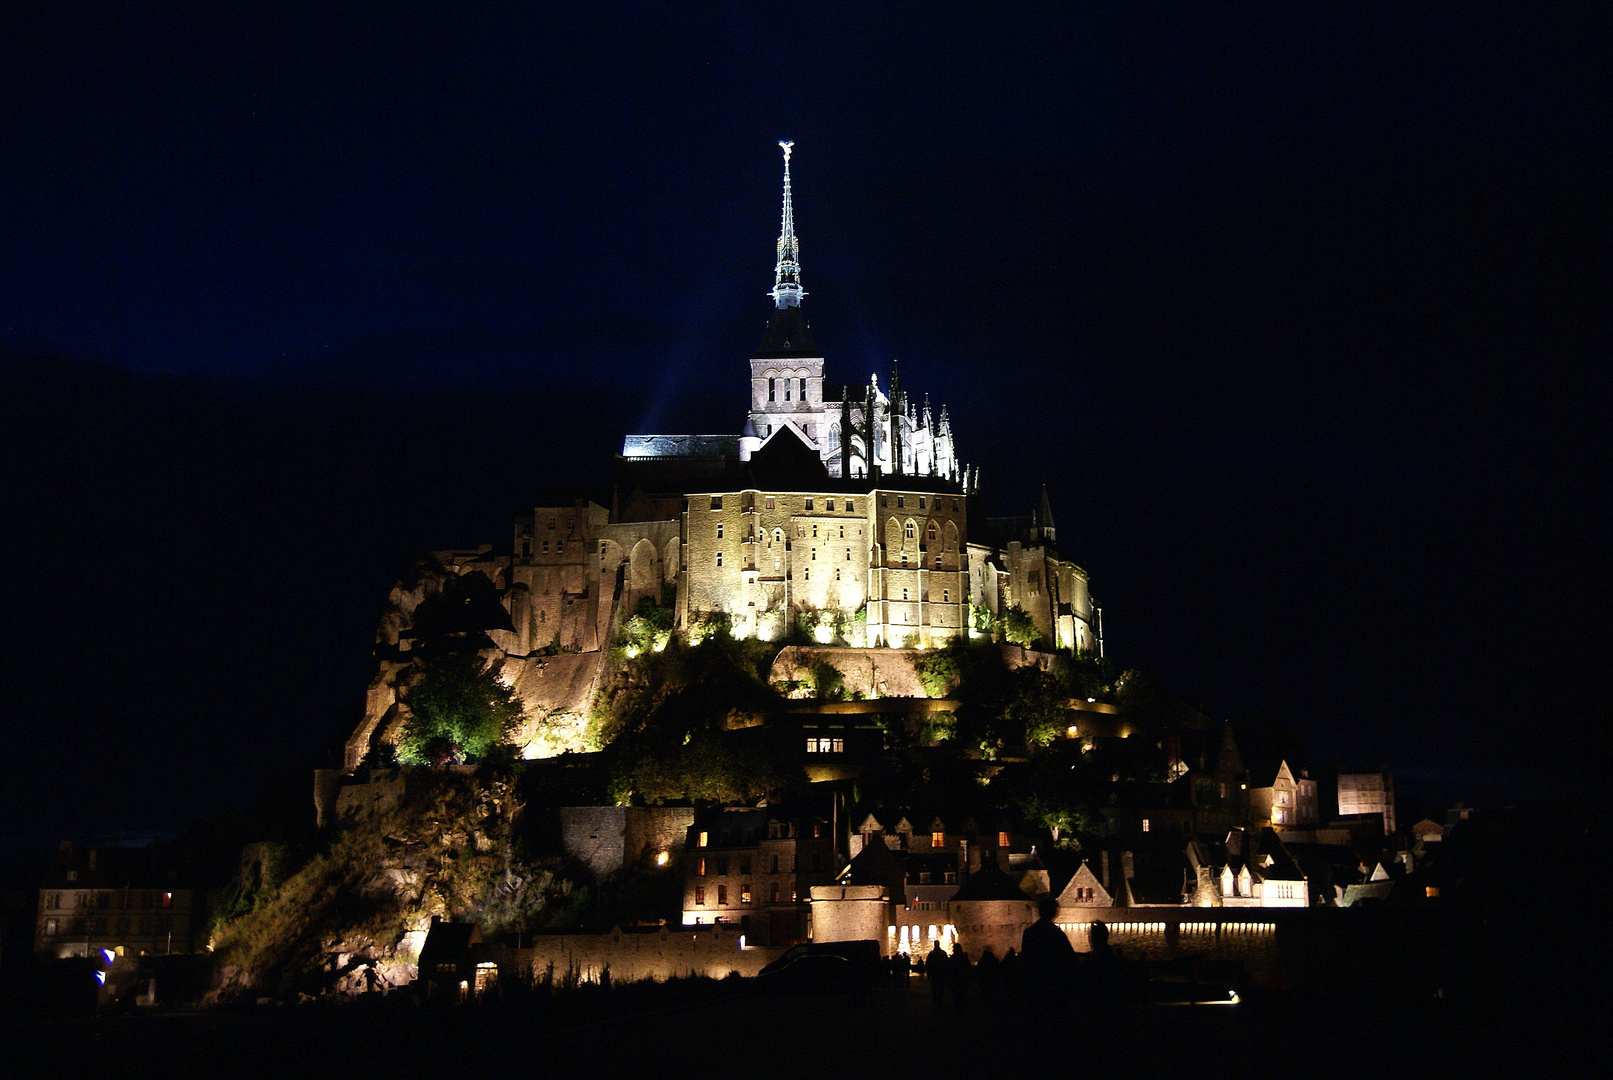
{"x": 787, "y": 334}
{"x": 989, "y": 883}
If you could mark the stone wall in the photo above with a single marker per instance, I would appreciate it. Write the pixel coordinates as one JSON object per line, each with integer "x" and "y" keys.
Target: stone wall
{"x": 849, "y": 913}
{"x": 660, "y": 953}
{"x": 609, "y": 837}
{"x": 873, "y": 673}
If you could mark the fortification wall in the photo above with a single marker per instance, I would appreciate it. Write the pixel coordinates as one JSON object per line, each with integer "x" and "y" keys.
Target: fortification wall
{"x": 712, "y": 951}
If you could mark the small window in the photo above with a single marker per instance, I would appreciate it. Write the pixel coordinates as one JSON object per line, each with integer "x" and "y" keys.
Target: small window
{"x": 911, "y": 531}
{"x": 775, "y": 869}
{"x": 719, "y": 558}
{"x": 1002, "y": 840}
{"x": 744, "y": 894}
{"x": 848, "y": 554}
{"x": 828, "y": 504}
{"x": 719, "y": 530}
{"x": 849, "y": 507}
{"x": 700, "y": 867}
{"x": 921, "y": 502}
{"x": 716, "y": 502}
{"x": 768, "y": 502}
{"x": 809, "y": 505}
{"x": 814, "y": 529}
{"x": 1145, "y": 824}
{"x": 837, "y": 573}
{"x": 703, "y": 839}
{"x": 901, "y": 501}
{"x": 803, "y": 389}
{"x": 817, "y": 830}
{"x": 938, "y": 839}
{"x": 946, "y": 596}
{"x": 904, "y": 593}
{"x": 806, "y": 574}
{"x": 772, "y": 391}
{"x": 602, "y": 547}
{"x": 167, "y": 899}
{"x": 546, "y": 546}
{"x": 774, "y": 894}
{"x": 700, "y": 895}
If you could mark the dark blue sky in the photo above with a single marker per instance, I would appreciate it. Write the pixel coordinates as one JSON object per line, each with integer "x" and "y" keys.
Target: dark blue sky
{"x": 1294, "y": 313}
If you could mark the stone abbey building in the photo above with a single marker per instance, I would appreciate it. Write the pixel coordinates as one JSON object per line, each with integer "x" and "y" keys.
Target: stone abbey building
{"x": 843, "y": 504}
{"x": 838, "y": 510}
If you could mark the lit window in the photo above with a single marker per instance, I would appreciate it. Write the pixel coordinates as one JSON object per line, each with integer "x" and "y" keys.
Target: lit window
{"x": 938, "y": 839}
{"x": 700, "y": 867}
{"x": 744, "y": 894}
{"x": 703, "y": 839}
{"x": 1145, "y": 824}
{"x": 1002, "y": 839}
{"x": 167, "y": 899}
{"x": 700, "y": 895}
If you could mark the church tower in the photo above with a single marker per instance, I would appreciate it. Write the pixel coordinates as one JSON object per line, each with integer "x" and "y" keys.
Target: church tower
{"x": 787, "y": 371}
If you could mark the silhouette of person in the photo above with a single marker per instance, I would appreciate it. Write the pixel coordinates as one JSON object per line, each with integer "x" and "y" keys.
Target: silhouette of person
{"x": 988, "y": 973}
{"x": 1010, "y": 974}
{"x": 959, "y": 974}
{"x": 936, "y": 967}
{"x": 1047, "y": 963}
{"x": 1105, "y": 975}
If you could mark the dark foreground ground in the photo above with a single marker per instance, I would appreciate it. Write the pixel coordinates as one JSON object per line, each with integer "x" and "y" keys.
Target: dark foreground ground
{"x": 730, "y": 1029}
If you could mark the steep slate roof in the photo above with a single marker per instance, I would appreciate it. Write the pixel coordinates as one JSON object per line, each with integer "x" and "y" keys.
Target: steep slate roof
{"x": 989, "y": 883}
{"x": 877, "y": 864}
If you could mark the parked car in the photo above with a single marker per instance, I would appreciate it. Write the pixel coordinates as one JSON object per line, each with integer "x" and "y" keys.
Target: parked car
{"x": 823, "y": 966}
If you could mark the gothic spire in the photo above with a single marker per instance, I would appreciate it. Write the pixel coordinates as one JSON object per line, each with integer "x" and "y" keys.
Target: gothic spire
{"x": 787, "y": 290}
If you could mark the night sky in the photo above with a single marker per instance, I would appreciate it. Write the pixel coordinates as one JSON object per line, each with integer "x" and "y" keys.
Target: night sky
{"x": 1298, "y": 315}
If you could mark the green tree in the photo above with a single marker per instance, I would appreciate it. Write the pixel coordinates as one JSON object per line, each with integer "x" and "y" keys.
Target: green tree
{"x": 1019, "y": 628}
{"x": 460, "y": 712}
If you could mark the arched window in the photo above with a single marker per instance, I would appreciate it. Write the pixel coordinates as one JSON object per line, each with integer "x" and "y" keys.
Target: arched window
{"x": 911, "y": 531}
{"x": 930, "y": 533}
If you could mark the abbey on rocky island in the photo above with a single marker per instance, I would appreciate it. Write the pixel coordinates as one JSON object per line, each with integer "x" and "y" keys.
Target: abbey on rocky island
{"x": 840, "y": 510}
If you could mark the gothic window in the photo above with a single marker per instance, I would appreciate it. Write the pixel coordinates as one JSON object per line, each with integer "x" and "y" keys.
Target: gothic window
{"x": 930, "y": 532}
{"x": 803, "y": 389}
{"x": 771, "y": 392}
{"x": 910, "y": 531}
